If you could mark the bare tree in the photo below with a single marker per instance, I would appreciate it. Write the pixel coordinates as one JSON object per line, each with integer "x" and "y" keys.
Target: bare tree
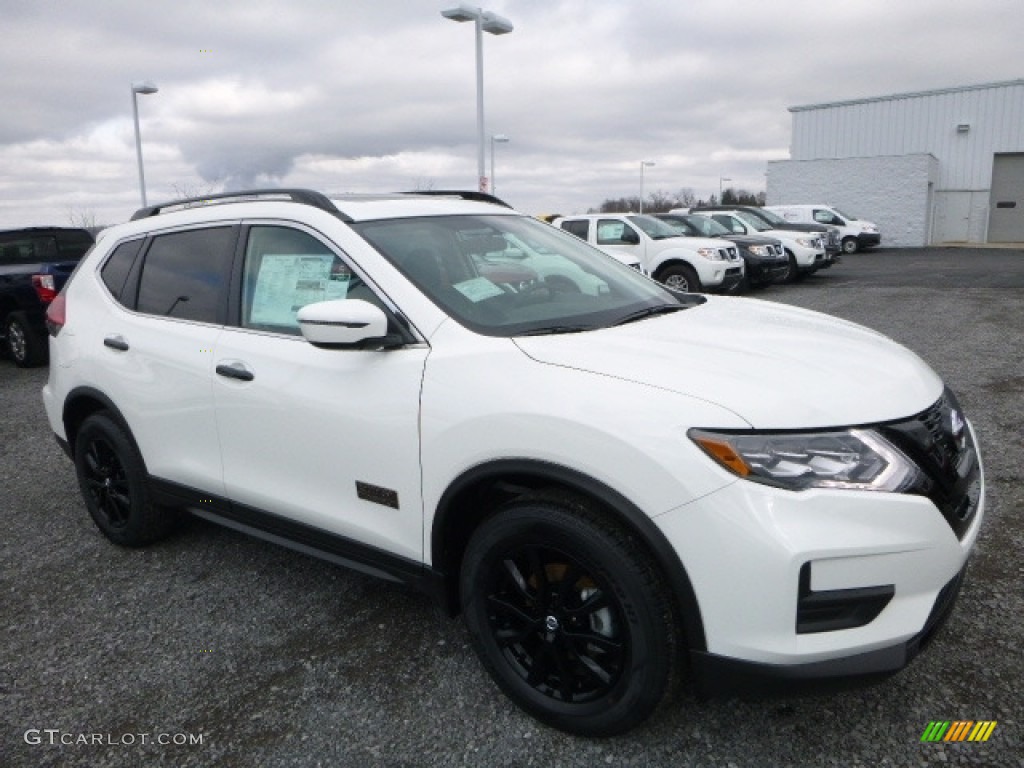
{"x": 86, "y": 219}
{"x": 423, "y": 185}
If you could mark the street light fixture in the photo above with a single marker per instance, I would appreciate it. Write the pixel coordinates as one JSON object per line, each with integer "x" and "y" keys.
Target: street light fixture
{"x": 720, "y": 180}
{"x": 145, "y": 88}
{"x": 500, "y": 138}
{"x": 484, "y": 21}
{"x": 643, "y": 164}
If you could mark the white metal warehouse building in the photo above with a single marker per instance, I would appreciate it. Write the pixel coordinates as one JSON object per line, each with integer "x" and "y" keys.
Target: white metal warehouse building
{"x": 929, "y": 167}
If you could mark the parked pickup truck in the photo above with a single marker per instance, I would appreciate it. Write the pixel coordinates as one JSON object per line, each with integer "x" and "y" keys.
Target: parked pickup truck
{"x": 682, "y": 263}
{"x": 34, "y": 265}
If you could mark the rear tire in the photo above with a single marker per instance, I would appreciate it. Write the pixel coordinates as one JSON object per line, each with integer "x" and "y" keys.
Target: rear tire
{"x": 113, "y": 481}
{"x": 23, "y": 344}
{"x": 569, "y": 616}
{"x": 680, "y": 277}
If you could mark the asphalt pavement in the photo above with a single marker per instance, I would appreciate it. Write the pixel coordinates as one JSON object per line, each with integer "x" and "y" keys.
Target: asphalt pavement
{"x": 214, "y": 649}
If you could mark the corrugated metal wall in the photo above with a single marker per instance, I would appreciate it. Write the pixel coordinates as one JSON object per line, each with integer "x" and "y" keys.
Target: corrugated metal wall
{"x": 920, "y": 123}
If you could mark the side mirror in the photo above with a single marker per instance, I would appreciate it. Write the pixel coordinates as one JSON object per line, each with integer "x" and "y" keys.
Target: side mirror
{"x": 345, "y": 323}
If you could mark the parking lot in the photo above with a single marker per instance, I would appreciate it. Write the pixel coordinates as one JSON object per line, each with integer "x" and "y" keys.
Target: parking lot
{"x": 216, "y": 649}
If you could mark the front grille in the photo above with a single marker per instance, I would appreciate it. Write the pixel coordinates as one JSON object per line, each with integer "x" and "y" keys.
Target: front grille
{"x": 939, "y": 442}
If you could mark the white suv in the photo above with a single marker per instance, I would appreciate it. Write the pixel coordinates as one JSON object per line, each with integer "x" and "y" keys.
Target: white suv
{"x": 577, "y": 465}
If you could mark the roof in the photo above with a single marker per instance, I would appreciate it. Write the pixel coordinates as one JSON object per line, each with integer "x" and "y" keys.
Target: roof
{"x": 910, "y": 95}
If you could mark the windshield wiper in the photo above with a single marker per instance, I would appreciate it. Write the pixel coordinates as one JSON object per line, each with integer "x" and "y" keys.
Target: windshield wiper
{"x": 663, "y": 309}
{"x": 550, "y": 330}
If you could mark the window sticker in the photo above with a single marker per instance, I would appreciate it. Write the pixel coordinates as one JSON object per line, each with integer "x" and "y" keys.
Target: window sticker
{"x": 477, "y": 289}
{"x": 288, "y": 282}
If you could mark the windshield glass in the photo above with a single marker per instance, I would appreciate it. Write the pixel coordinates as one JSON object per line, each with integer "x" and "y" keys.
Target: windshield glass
{"x": 772, "y": 218}
{"x": 708, "y": 227}
{"x": 511, "y": 275}
{"x": 752, "y": 221}
{"x": 656, "y": 229}
{"x": 846, "y": 216}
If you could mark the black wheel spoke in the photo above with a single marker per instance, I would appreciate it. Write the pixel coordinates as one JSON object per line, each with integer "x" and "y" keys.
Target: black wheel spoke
{"x": 503, "y": 606}
{"x": 515, "y": 576}
{"x": 606, "y": 644}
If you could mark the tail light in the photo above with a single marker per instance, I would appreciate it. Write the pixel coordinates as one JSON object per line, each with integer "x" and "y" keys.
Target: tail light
{"x": 56, "y": 314}
{"x": 45, "y": 287}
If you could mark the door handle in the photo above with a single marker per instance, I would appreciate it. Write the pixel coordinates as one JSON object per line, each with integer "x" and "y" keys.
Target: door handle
{"x": 235, "y": 371}
{"x": 116, "y": 342}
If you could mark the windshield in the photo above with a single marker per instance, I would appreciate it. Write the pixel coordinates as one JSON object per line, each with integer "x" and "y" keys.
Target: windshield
{"x": 504, "y": 275}
{"x": 752, "y": 221}
{"x": 656, "y": 229}
{"x": 771, "y": 217}
{"x": 846, "y": 216}
{"x": 708, "y": 227}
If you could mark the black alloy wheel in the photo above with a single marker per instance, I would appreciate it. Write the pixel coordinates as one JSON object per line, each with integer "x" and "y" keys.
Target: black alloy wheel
{"x": 569, "y": 616}
{"x": 112, "y": 479}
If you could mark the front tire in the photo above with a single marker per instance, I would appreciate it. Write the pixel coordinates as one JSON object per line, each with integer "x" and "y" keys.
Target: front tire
{"x": 112, "y": 478}
{"x": 24, "y": 345}
{"x": 680, "y": 277}
{"x": 850, "y": 245}
{"x": 794, "y": 271}
{"x": 569, "y": 616}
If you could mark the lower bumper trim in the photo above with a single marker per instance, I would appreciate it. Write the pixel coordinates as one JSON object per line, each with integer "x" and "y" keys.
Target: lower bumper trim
{"x": 721, "y": 677}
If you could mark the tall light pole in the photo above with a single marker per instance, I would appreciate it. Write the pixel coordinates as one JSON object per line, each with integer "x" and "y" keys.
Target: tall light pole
{"x": 484, "y": 21}
{"x": 500, "y": 138}
{"x": 643, "y": 164}
{"x": 720, "y": 180}
{"x": 145, "y": 89}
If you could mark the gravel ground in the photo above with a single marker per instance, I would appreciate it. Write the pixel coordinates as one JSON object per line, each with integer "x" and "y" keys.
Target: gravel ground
{"x": 266, "y": 657}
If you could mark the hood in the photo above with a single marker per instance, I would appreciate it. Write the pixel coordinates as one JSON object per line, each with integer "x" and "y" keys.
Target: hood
{"x": 777, "y": 367}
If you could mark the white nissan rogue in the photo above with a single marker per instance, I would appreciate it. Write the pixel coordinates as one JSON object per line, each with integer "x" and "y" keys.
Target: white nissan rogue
{"x": 577, "y": 465}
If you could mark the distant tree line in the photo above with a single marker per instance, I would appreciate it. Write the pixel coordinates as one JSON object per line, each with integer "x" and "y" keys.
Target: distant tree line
{"x": 661, "y": 201}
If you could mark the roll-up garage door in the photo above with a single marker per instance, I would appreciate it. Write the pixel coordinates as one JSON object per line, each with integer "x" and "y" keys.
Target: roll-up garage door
{"x": 1006, "y": 208}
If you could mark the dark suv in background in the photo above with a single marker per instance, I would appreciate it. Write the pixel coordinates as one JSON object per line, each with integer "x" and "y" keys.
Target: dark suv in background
{"x": 35, "y": 262}
{"x": 830, "y": 235}
{"x": 765, "y": 257}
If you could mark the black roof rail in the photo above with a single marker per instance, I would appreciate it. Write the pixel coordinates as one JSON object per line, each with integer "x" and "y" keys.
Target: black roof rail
{"x": 303, "y": 196}
{"x": 465, "y": 194}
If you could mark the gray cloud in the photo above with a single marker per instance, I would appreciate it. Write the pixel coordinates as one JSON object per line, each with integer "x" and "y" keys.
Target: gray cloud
{"x": 585, "y": 88}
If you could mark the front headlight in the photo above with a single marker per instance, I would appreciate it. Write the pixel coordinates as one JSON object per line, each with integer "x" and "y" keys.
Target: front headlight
{"x": 758, "y": 250}
{"x": 807, "y": 242}
{"x": 859, "y": 459}
{"x": 710, "y": 253}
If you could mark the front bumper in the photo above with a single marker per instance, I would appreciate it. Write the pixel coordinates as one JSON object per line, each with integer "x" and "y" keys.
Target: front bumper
{"x": 722, "y": 276}
{"x": 721, "y": 677}
{"x": 867, "y": 239}
{"x": 753, "y": 553}
{"x": 764, "y": 271}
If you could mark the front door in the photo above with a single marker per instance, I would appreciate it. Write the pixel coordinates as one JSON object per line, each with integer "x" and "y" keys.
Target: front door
{"x": 329, "y": 438}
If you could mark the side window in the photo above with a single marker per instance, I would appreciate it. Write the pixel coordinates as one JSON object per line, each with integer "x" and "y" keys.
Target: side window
{"x": 286, "y": 269}
{"x": 118, "y": 265}
{"x": 18, "y": 251}
{"x": 184, "y": 274}
{"x": 578, "y": 227}
{"x": 615, "y": 232}
{"x": 827, "y": 217}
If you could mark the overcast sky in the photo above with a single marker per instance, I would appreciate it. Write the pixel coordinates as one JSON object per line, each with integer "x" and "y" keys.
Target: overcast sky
{"x": 379, "y": 95}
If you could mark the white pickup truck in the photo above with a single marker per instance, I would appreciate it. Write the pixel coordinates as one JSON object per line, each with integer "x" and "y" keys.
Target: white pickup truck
{"x": 681, "y": 263}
